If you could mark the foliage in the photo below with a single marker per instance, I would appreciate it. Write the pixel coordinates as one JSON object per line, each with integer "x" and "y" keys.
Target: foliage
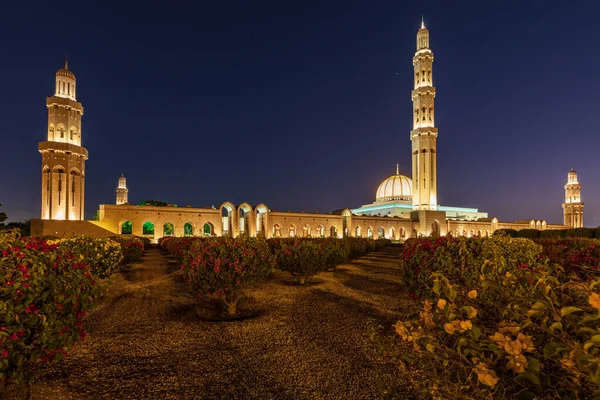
{"x": 529, "y": 233}
{"x": 302, "y": 258}
{"x": 223, "y": 268}
{"x": 102, "y": 255}
{"x": 553, "y": 234}
{"x": 148, "y": 228}
{"x": 132, "y": 248}
{"x": 576, "y": 255}
{"x": 506, "y": 232}
{"x": 3, "y": 215}
{"x": 463, "y": 260}
{"x": 154, "y": 203}
{"x": 580, "y": 233}
{"x": 126, "y": 228}
{"x": 45, "y": 291}
{"x": 145, "y": 241}
{"x": 545, "y": 343}
{"x": 23, "y": 227}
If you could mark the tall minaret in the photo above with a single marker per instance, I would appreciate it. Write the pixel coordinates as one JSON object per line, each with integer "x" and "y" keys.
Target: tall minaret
{"x": 122, "y": 191}
{"x": 573, "y": 207}
{"x": 63, "y": 158}
{"x": 424, "y": 132}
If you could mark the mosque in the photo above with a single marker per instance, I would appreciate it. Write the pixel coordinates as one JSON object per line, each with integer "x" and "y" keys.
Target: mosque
{"x": 404, "y": 207}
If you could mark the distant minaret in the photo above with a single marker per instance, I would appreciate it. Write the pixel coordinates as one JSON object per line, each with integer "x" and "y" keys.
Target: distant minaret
{"x": 122, "y": 191}
{"x": 573, "y": 206}
{"x": 424, "y": 133}
{"x": 63, "y": 158}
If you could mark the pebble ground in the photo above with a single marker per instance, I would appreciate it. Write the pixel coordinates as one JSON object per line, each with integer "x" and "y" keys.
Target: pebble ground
{"x": 145, "y": 340}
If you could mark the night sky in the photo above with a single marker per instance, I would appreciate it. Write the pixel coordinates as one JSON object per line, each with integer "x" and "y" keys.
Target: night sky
{"x": 306, "y": 105}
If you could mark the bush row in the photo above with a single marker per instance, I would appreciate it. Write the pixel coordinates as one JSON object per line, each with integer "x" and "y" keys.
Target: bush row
{"x": 589, "y": 233}
{"x": 45, "y": 291}
{"x": 499, "y": 319}
{"x": 222, "y": 268}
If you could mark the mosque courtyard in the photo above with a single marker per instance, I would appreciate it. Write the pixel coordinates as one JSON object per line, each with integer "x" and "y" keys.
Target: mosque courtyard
{"x": 145, "y": 340}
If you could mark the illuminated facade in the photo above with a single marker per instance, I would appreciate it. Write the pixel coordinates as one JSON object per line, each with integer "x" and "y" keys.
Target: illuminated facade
{"x": 403, "y": 208}
{"x": 63, "y": 158}
{"x": 573, "y": 206}
{"x": 122, "y": 191}
{"x": 424, "y": 133}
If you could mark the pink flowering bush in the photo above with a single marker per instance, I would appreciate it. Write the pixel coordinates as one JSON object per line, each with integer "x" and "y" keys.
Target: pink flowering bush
{"x": 102, "y": 255}
{"x": 302, "y": 258}
{"x": 222, "y": 269}
{"x": 45, "y": 292}
{"x": 578, "y": 256}
{"x": 132, "y": 248}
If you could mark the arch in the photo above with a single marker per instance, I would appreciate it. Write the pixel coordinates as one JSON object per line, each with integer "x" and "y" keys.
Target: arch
{"x": 392, "y": 233}
{"x": 73, "y": 133}
{"x": 292, "y": 230}
{"x": 479, "y": 233}
{"x": 51, "y": 132}
{"x": 321, "y": 231}
{"x": 380, "y": 233}
{"x": 370, "y": 233}
{"x": 208, "y": 229}
{"x": 148, "y": 228}
{"x": 333, "y": 231}
{"x": 226, "y": 210}
{"x": 472, "y": 233}
{"x": 538, "y": 225}
{"x": 125, "y": 227}
{"x": 276, "y": 230}
{"x": 168, "y": 229}
{"x": 188, "y": 229}
{"x": 487, "y": 233}
{"x": 346, "y": 213}
{"x": 435, "y": 228}
{"x": 59, "y": 168}
{"x": 60, "y": 133}
{"x": 402, "y": 233}
{"x": 306, "y": 231}
{"x": 261, "y": 214}
{"x": 244, "y": 213}
{"x": 357, "y": 232}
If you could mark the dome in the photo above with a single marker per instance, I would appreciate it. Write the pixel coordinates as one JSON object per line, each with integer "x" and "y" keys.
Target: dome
{"x": 396, "y": 187}
{"x": 65, "y": 71}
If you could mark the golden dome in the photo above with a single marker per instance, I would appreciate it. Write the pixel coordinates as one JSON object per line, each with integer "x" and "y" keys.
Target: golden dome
{"x": 396, "y": 187}
{"x": 65, "y": 71}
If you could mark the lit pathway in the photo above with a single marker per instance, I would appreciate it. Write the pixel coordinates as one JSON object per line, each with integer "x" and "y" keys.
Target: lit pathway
{"x": 145, "y": 341}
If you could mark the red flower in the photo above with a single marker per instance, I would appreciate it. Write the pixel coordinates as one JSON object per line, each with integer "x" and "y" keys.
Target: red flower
{"x": 4, "y": 353}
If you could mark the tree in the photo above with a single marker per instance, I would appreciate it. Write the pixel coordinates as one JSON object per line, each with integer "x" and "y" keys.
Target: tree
{"x": 3, "y": 215}
{"x": 155, "y": 203}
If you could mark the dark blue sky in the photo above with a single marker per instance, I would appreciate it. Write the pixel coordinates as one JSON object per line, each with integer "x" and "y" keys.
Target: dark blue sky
{"x": 306, "y": 105}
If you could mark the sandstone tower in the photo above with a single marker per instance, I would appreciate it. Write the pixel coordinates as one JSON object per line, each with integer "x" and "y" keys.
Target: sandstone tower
{"x": 573, "y": 207}
{"x": 424, "y": 133}
{"x": 122, "y": 191}
{"x": 63, "y": 158}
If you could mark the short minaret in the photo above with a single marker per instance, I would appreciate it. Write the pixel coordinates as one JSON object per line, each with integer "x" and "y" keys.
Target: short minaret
{"x": 63, "y": 158}
{"x": 424, "y": 133}
{"x": 573, "y": 206}
{"x": 122, "y": 191}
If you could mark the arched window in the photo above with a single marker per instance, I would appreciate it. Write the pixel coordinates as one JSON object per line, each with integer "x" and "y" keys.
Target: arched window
{"x": 188, "y": 229}
{"x": 370, "y": 233}
{"x": 148, "y": 228}
{"x": 333, "y": 231}
{"x": 358, "y": 231}
{"x": 168, "y": 229}
{"x": 321, "y": 231}
{"x": 292, "y": 230}
{"x": 126, "y": 228}
{"x": 380, "y": 233}
{"x": 208, "y": 229}
{"x": 276, "y": 230}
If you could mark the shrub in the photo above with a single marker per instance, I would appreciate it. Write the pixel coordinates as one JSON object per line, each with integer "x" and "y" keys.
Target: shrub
{"x": 102, "y": 255}
{"x": 337, "y": 251}
{"x": 301, "y": 258}
{"x": 358, "y": 247}
{"x": 145, "y": 241}
{"x": 381, "y": 243}
{"x": 580, "y": 233}
{"x": 553, "y": 234}
{"x": 545, "y": 344}
{"x": 222, "y": 269}
{"x": 576, "y": 255}
{"x": 463, "y": 260}
{"x": 45, "y": 291}
{"x": 528, "y": 233}
{"x": 506, "y": 232}
{"x": 131, "y": 247}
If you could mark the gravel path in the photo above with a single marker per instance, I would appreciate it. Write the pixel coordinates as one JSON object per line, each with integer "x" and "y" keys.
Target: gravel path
{"x": 145, "y": 341}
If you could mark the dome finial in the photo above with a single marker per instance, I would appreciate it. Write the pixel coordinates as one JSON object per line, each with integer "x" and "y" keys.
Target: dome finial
{"x": 66, "y": 61}
{"x": 397, "y": 169}
{"x": 422, "y": 22}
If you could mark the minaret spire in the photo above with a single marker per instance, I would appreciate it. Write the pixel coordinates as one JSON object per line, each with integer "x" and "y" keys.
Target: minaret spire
{"x": 66, "y": 61}
{"x": 397, "y": 169}
{"x": 424, "y": 133}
